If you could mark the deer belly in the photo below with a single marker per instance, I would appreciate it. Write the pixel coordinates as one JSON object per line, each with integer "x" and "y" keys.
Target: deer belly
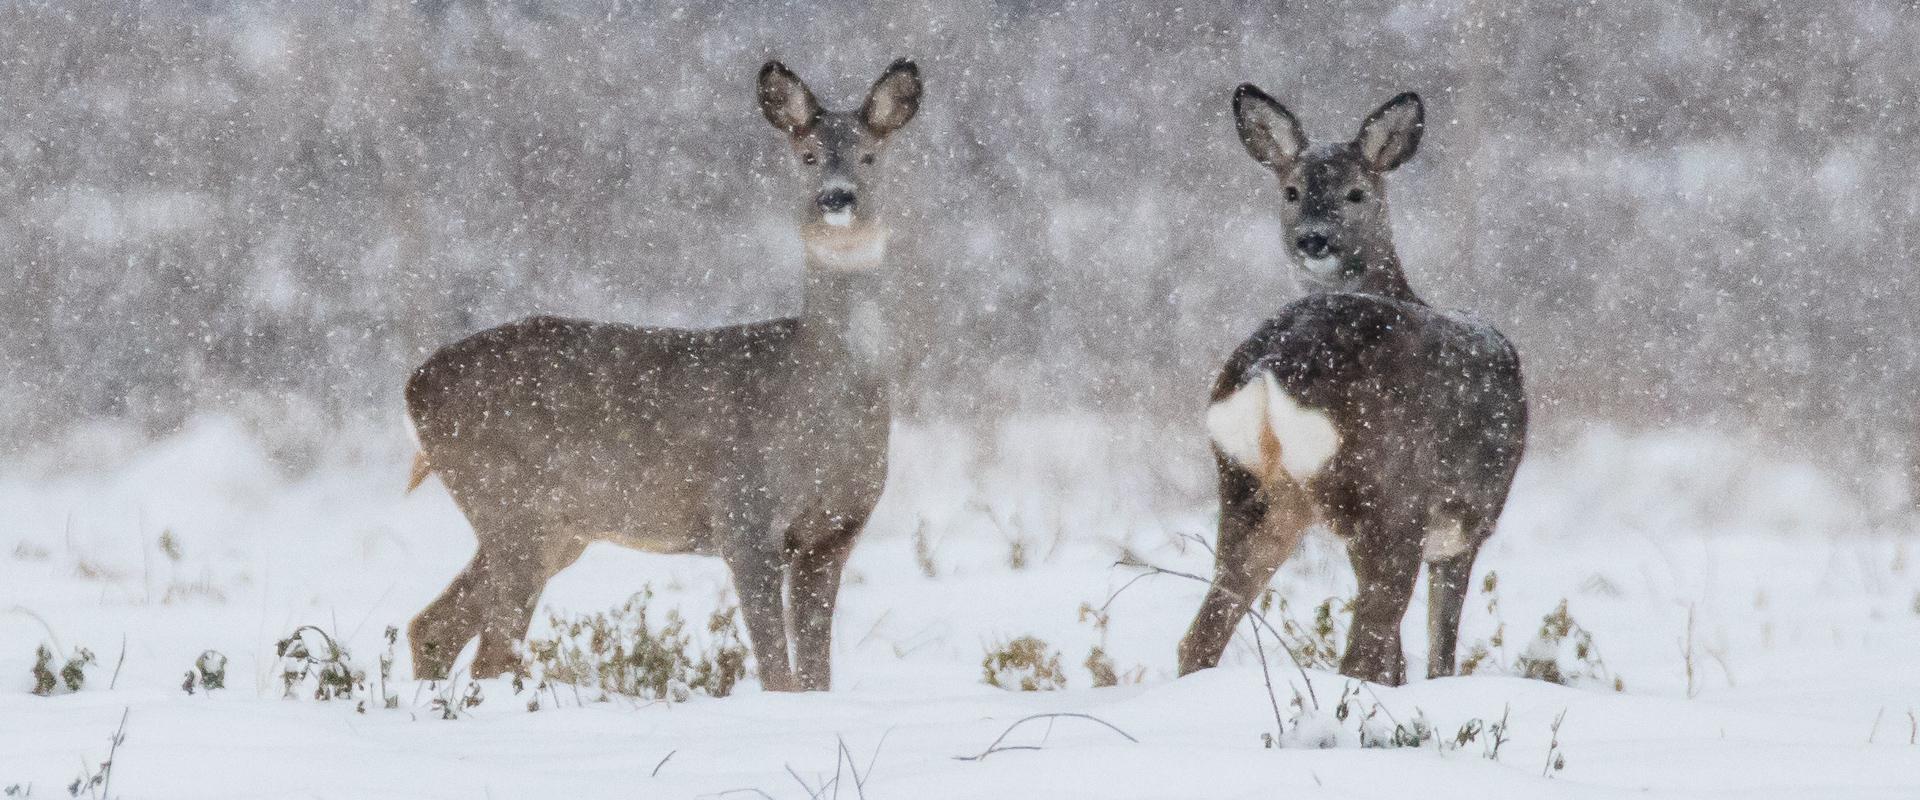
{"x": 1266, "y": 431}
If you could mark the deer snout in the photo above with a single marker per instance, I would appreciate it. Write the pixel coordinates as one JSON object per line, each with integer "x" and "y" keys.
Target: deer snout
{"x": 836, "y": 200}
{"x": 1313, "y": 245}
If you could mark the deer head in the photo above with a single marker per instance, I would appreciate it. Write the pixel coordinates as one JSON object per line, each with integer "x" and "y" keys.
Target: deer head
{"x": 1334, "y": 208}
{"x": 840, "y": 153}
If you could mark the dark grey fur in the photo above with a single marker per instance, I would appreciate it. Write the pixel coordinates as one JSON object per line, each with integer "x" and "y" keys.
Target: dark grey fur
{"x": 1429, "y": 405}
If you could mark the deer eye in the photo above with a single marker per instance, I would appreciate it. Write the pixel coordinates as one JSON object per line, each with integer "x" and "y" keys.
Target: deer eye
{"x": 866, "y": 159}
{"x": 1293, "y": 195}
{"x": 809, "y": 158}
{"x": 1356, "y": 195}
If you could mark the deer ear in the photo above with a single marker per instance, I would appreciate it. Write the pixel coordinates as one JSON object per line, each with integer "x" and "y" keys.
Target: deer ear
{"x": 785, "y": 100}
{"x": 894, "y": 99}
{"x": 1270, "y": 132}
{"x": 1392, "y": 132}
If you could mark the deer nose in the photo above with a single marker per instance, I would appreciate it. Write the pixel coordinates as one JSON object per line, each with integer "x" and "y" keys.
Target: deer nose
{"x": 833, "y": 200}
{"x": 1312, "y": 245}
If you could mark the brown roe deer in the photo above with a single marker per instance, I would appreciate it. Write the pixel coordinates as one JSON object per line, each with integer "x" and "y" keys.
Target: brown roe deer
{"x": 1397, "y": 424}
{"x": 764, "y": 444}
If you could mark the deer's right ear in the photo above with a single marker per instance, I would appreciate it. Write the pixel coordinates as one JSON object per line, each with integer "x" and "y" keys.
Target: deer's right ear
{"x": 785, "y": 99}
{"x": 1271, "y": 134}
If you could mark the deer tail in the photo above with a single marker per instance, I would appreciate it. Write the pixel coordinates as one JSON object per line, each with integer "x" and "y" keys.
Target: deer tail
{"x": 421, "y": 469}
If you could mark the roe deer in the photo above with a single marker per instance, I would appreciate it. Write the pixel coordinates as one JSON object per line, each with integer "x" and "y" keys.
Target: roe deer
{"x": 1398, "y": 424}
{"x": 764, "y": 444}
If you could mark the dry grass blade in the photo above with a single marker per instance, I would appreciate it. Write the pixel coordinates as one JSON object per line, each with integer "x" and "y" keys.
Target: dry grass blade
{"x": 996, "y": 748}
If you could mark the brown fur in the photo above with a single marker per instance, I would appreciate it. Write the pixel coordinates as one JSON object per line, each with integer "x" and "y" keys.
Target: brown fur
{"x": 764, "y": 444}
{"x": 419, "y": 472}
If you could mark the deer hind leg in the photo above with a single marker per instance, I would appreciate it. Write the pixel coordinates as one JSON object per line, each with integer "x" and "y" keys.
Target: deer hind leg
{"x": 1449, "y": 578}
{"x": 513, "y": 593}
{"x": 822, "y": 542}
{"x": 438, "y": 632}
{"x": 1386, "y": 566}
{"x": 741, "y": 525}
{"x": 1259, "y": 529}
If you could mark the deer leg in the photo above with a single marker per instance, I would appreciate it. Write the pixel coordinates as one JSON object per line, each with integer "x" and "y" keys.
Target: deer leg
{"x": 1448, "y": 581}
{"x": 1387, "y": 568}
{"x": 824, "y": 541}
{"x": 438, "y": 632}
{"x": 514, "y": 594}
{"x": 1259, "y": 530}
{"x": 742, "y": 533}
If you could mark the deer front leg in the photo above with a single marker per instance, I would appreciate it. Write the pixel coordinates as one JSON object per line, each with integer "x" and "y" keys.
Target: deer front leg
{"x": 1386, "y": 569}
{"x": 742, "y": 533}
{"x": 822, "y": 543}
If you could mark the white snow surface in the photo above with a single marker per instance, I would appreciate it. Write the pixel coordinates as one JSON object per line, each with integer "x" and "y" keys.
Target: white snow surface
{"x": 1803, "y": 608}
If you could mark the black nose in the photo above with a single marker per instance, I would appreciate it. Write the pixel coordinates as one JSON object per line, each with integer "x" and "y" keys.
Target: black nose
{"x": 836, "y": 200}
{"x": 1312, "y": 245}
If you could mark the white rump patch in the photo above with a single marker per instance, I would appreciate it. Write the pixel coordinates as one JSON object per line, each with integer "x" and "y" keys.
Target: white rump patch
{"x": 413, "y": 432}
{"x": 1237, "y": 424}
{"x": 1260, "y": 421}
{"x": 1445, "y": 538}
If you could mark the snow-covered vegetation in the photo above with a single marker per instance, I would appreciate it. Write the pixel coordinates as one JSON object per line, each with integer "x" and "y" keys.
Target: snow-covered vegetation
{"x": 232, "y": 229}
{"x": 1759, "y": 619}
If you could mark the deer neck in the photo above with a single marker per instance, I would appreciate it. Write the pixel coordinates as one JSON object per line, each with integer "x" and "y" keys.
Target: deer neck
{"x": 841, "y": 312}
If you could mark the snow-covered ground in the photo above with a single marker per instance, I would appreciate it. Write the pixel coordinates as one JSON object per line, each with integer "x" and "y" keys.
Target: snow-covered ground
{"x": 1804, "y": 609}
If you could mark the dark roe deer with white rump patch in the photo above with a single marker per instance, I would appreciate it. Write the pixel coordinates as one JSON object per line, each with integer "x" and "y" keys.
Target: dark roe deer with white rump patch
{"x": 764, "y": 444}
{"x": 1397, "y": 424}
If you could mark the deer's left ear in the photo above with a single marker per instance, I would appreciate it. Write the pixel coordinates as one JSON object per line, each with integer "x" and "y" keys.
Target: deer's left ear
{"x": 1392, "y": 132}
{"x": 894, "y": 99}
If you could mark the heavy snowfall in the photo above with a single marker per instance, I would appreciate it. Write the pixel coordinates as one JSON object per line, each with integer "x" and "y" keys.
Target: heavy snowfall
{"x": 234, "y": 229}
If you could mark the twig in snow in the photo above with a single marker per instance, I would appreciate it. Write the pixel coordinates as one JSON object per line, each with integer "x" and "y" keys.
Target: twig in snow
{"x": 52, "y": 638}
{"x": 1251, "y": 611}
{"x": 663, "y": 762}
{"x": 118, "y": 662}
{"x": 1686, "y": 652}
{"x": 811, "y": 793}
{"x": 996, "y": 748}
{"x": 100, "y": 784}
{"x": 1556, "y": 760}
{"x": 119, "y": 735}
{"x": 1202, "y": 541}
{"x": 859, "y": 781}
{"x": 1279, "y": 725}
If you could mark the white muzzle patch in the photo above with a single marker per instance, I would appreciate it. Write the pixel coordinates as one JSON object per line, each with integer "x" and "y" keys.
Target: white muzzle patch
{"x": 838, "y": 219}
{"x": 1321, "y": 267}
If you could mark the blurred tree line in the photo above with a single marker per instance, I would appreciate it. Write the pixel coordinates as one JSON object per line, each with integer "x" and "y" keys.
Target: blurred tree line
{"x": 1684, "y": 212}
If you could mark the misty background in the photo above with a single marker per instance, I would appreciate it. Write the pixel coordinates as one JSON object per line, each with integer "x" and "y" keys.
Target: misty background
{"x": 1685, "y": 214}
